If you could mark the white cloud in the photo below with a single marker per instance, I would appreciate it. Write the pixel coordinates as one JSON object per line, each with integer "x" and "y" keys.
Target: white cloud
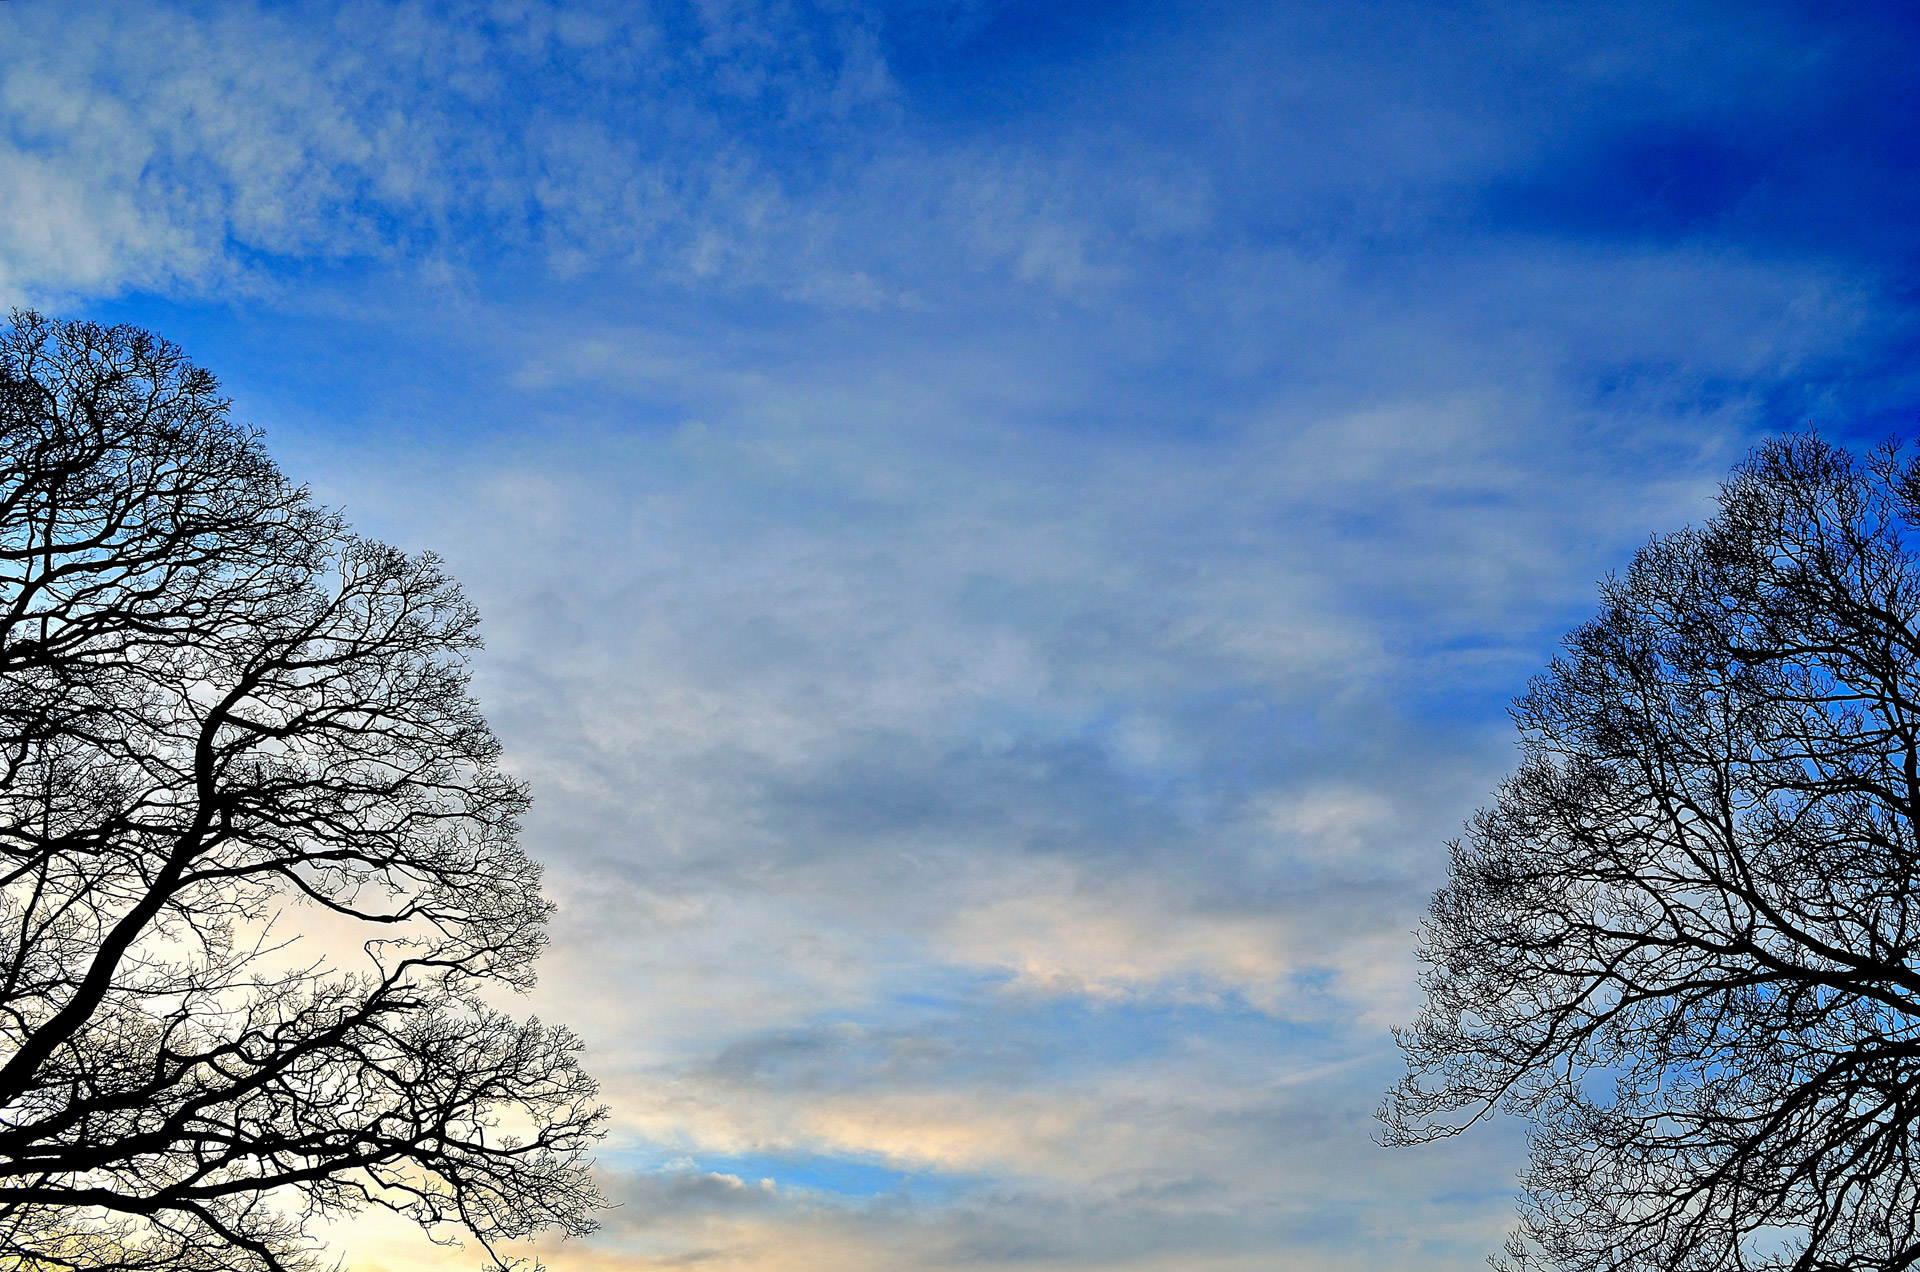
{"x": 999, "y": 612}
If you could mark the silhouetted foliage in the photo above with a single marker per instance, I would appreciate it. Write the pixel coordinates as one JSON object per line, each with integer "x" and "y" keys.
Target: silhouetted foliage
{"x": 223, "y": 719}
{"x": 1685, "y": 939}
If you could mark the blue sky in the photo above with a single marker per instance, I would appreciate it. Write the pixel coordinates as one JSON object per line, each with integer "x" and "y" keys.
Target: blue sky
{"x": 1006, "y": 529}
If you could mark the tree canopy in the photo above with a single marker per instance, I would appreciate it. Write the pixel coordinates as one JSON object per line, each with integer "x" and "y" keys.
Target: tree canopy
{"x": 1684, "y": 940}
{"x": 227, "y": 721}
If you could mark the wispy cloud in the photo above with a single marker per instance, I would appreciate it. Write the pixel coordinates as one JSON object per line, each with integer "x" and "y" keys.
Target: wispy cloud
{"x": 1005, "y": 530}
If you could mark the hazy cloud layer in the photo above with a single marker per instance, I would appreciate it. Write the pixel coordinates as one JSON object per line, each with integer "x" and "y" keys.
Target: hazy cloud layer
{"x": 1006, "y": 529}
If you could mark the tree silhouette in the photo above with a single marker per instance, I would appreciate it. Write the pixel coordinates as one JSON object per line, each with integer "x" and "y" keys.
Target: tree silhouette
{"x": 1685, "y": 939}
{"x": 224, "y": 720}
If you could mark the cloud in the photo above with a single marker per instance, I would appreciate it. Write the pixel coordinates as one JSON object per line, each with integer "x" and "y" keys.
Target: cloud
{"x": 173, "y": 147}
{"x": 1003, "y": 552}
{"x": 953, "y": 790}
{"x": 960, "y": 791}
{"x": 177, "y": 149}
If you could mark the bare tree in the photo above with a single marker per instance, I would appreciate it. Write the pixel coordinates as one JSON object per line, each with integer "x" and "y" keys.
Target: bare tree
{"x": 1685, "y": 939}
{"x": 225, "y": 719}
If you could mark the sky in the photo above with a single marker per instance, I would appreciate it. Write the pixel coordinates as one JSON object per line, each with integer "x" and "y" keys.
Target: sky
{"x": 1006, "y": 529}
